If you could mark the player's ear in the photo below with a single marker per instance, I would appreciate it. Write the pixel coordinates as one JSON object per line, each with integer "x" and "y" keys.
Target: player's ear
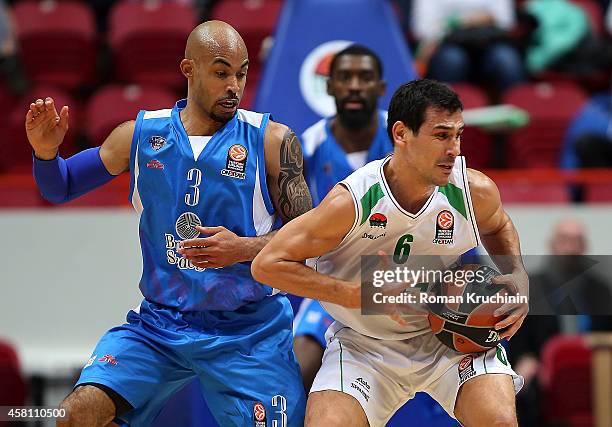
{"x": 187, "y": 67}
{"x": 399, "y": 131}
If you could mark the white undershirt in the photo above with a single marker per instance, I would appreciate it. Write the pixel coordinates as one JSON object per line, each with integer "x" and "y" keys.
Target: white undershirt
{"x": 357, "y": 159}
{"x": 197, "y": 144}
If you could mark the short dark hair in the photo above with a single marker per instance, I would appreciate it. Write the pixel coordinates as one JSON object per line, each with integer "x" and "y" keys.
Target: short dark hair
{"x": 357, "y": 50}
{"x": 411, "y": 100}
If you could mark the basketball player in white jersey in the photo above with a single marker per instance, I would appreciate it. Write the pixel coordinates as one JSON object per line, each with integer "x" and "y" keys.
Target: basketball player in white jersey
{"x": 373, "y": 364}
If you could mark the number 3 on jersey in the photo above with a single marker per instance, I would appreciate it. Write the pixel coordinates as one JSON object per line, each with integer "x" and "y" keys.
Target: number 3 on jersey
{"x": 402, "y": 249}
{"x": 196, "y": 176}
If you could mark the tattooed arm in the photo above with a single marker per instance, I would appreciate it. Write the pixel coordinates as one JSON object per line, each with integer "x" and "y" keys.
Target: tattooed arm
{"x": 289, "y": 194}
{"x": 284, "y": 166}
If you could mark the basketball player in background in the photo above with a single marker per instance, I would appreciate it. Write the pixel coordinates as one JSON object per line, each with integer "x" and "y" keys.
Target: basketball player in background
{"x": 333, "y": 149}
{"x": 201, "y": 167}
{"x": 372, "y": 364}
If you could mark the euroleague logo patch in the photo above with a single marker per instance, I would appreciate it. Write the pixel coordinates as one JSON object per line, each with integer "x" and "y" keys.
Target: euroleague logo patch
{"x": 466, "y": 369}
{"x": 237, "y": 153}
{"x": 445, "y": 220}
{"x": 259, "y": 414}
{"x": 445, "y": 223}
{"x": 465, "y": 362}
{"x": 235, "y": 165}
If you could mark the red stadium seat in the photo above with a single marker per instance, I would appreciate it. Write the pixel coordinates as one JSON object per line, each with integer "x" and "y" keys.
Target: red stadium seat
{"x": 57, "y": 42}
{"x": 115, "y": 104}
{"x": 14, "y": 390}
{"x": 529, "y": 192}
{"x": 565, "y": 377}
{"x": 550, "y": 107}
{"x": 475, "y": 142}
{"x": 598, "y": 193}
{"x": 148, "y": 40}
{"x": 253, "y": 19}
{"x": 16, "y": 153}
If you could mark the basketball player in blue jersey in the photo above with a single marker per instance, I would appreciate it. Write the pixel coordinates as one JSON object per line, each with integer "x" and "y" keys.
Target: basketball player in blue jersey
{"x": 372, "y": 364}
{"x": 333, "y": 149}
{"x": 205, "y": 168}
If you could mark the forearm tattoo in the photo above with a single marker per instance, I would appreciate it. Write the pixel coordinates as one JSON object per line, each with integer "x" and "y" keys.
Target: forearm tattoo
{"x": 294, "y": 198}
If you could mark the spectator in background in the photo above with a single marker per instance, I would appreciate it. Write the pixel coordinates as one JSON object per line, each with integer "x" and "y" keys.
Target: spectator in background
{"x": 588, "y": 142}
{"x": 563, "y": 295}
{"x": 563, "y": 39}
{"x": 567, "y": 285}
{"x": 593, "y": 119}
{"x": 463, "y": 40}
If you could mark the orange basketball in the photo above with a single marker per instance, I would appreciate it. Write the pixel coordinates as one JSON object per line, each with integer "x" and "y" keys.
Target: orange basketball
{"x": 462, "y": 315}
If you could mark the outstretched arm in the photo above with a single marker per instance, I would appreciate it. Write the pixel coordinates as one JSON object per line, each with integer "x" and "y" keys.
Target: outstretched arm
{"x": 289, "y": 194}
{"x": 501, "y": 241}
{"x": 62, "y": 180}
{"x": 281, "y": 263}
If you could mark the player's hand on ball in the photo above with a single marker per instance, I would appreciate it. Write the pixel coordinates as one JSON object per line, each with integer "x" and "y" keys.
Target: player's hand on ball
{"x": 221, "y": 249}
{"x": 517, "y": 282}
{"x": 46, "y": 128}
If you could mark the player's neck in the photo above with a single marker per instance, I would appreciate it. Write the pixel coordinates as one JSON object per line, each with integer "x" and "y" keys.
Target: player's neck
{"x": 197, "y": 122}
{"x": 407, "y": 188}
{"x": 354, "y": 140}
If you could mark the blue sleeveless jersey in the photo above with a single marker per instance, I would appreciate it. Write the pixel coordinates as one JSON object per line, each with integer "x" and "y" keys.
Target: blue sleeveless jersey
{"x": 325, "y": 159}
{"x": 173, "y": 192}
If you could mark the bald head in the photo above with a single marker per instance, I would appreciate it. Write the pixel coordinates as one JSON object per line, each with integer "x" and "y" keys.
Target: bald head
{"x": 569, "y": 238}
{"x": 216, "y": 38}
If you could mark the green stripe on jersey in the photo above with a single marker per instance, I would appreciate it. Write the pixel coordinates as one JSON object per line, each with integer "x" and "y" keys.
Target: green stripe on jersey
{"x": 369, "y": 200}
{"x": 454, "y": 195}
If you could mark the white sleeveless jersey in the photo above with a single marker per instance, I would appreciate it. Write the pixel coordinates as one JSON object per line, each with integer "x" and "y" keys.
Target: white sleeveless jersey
{"x": 445, "y": 226}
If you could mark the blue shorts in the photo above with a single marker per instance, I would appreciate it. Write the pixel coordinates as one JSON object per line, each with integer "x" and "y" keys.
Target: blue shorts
{"x": 243, "y": 359}
{"x": 312, "y": 320}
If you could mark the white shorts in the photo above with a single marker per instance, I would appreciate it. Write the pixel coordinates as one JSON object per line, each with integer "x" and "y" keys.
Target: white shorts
{"x": 383, "y": 375}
